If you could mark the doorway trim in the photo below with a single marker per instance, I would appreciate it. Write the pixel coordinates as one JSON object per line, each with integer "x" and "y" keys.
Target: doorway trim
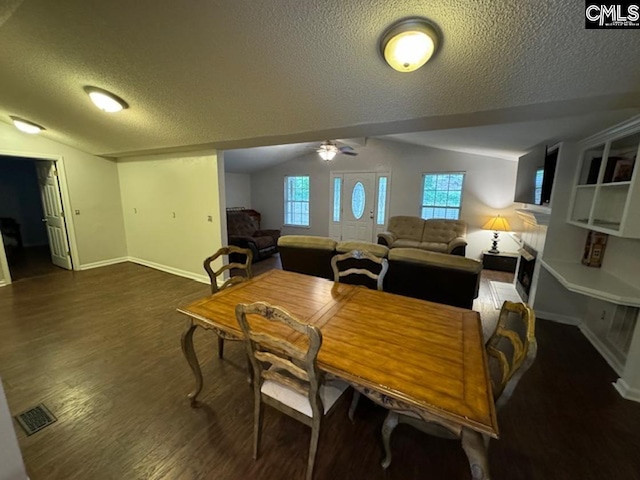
{"x": 58, "y": 160}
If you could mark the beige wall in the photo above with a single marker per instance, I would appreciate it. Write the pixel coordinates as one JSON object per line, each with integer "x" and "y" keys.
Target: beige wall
{"x": 154, "y": 188}
{"x": 488, "y": 187}
{"x": 93, "y": 189}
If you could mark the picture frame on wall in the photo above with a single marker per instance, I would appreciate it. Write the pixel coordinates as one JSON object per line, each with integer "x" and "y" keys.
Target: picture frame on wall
{"x": 623, "y": 170}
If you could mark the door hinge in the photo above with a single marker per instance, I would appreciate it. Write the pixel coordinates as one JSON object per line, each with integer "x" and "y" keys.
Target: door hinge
{"x": 68, "y": 253}
{"x": 55, "y": 172}
{"x": 62, "y": 214}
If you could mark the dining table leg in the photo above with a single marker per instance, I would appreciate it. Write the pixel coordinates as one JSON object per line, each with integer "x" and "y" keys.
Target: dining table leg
{"x": 190, "y": 354}
{"x": 474, "y": 446}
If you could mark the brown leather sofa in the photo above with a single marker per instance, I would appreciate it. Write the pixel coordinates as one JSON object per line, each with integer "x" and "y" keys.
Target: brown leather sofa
{"x": 435, "y": 235}
{"x": 243, "y": 232}
{"x": 432, "y": 276}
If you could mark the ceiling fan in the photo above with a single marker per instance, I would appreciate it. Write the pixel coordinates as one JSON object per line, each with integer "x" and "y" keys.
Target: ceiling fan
{"x": 329, "y": 149}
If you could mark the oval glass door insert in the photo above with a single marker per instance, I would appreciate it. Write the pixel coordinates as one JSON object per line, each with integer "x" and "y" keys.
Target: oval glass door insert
{"x": 357, "y": 200}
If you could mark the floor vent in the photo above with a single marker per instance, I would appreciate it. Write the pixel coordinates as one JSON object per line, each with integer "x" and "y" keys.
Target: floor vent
{"x": 35, "y": 419}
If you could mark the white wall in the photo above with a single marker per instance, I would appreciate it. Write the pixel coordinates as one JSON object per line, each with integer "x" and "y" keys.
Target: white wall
{"x": 167, "y": 200}
{"x": 93, "y": 188}
{"x": 11, "y": 464}
{"x": 488, "y": 188}
{"x": 237, "y": 189}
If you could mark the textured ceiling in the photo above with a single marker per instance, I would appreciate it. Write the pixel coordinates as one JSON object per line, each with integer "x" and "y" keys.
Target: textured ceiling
{"x": 242, "y": 73}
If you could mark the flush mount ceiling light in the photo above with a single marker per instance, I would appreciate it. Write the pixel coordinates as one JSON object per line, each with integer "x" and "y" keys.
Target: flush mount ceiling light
{"x": 105, "y": 101}
{"x": 409, "y": 44}
{"x": 26, "y": 126}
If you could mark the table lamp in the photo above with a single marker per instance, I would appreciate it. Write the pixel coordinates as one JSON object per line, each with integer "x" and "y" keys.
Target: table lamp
{"x": 497, "y": 224}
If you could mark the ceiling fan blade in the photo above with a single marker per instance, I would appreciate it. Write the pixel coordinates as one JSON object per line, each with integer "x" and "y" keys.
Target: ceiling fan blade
{"x": 347, "y": 150}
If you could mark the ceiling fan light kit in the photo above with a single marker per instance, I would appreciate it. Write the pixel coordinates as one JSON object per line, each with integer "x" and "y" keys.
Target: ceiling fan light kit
{"x": 409, "y": 44}
{"x": 328, "y": 150}
{"x": 26, "y": 126}
{"x": 104, "y": 100}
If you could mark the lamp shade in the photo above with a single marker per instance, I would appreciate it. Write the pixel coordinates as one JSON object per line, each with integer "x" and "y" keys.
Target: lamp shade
{"x": 497, "y": 224}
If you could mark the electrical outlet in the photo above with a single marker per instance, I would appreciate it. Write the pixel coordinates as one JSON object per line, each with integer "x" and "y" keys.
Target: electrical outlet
{"x": 209, "y": 218}
{"x": 603, "y": 315}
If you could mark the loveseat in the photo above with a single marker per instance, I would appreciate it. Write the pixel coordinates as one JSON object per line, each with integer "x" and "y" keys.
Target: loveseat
{"x": 433, "y": 276}
{"x": 242, "y": 231}
{"x": 435, "y": 235}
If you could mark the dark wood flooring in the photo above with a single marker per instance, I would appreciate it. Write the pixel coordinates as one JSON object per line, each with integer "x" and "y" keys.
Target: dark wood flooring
{"x": 101, "y": 348}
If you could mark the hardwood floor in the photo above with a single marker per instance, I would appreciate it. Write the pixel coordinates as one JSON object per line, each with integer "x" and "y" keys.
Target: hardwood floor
{"x": 101, "y": 348}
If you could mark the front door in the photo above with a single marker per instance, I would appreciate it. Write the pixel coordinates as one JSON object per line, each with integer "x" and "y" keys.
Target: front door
{"x": 359, "y": 195}
{"x": 53, "y": 214}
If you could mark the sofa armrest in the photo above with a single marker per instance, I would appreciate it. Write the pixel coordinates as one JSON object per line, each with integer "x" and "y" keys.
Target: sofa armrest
{"x": 457, "y": 246}
{"x": 275, "y": 234}
{"x": 241, "y": 241}
{"x": 387, "y": 238}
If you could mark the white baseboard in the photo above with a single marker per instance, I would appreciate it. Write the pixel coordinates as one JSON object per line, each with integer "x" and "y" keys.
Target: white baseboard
{"x": 626, "y": 391}
{"x": 174, "y": 271}
{"x": 558, "y": 318}
{"x": 603, "y": 349}
{"x": 3, "y": 283}
{"x": 103, "y": 263}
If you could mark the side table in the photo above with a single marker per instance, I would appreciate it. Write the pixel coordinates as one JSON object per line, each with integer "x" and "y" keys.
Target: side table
{"x": 503, "y": 261}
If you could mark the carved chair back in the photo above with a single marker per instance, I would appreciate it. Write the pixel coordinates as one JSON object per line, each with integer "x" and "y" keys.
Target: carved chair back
{"x": 291, "y": 366}
{"x": 246, "y": 266}
{"x": 360, "y": 255}
{"x": 511, "y": 349}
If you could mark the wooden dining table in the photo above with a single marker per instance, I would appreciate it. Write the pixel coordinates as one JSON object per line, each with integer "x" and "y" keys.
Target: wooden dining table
{"x": 405, "y": 354}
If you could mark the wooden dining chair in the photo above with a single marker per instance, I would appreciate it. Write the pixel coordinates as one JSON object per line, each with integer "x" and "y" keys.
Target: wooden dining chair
{"x": 291, "y": 383}
{"x": 361, "y": 256}
{"x": 233, "y": 279}
{"x": 511, "y": 350}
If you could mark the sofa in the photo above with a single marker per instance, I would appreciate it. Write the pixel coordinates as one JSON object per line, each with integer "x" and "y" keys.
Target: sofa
{"x": 242, "y": 231}
{"x": 435, "y": 235}
{"x": 433, "y": 276}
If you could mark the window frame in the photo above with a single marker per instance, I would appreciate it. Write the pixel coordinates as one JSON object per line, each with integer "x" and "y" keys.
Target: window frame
{"x": 422, "y": 192}
{"x": 287, "y": 202}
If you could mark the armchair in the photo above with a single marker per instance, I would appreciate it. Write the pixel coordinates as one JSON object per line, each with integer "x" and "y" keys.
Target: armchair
{"x": 243, "y": 232}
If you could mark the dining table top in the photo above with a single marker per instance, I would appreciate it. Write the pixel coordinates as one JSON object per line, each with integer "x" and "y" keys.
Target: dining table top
{"x": 426, "y": 355}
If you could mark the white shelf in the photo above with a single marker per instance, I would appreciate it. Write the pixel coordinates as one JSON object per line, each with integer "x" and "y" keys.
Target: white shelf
{"x": 593, "y": 282}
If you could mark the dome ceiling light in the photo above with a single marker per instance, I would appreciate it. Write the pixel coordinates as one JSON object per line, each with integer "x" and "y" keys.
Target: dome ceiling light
{"x": 409, "y": 44}
{"x": 26, "y": 126}
{"x": 105, "y": 101}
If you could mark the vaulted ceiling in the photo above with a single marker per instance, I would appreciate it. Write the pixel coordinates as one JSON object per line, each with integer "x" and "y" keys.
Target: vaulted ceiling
{"x": 244, "y": 73}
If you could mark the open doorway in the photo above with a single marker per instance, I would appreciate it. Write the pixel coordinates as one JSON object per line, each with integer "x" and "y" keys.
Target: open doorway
{"x": 32, "y": 222}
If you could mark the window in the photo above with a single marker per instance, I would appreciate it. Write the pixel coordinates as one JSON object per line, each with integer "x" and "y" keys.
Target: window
{"x": 337, "y": 189}
{"x": 382, "y": 200}
{"x": 442, "y": 195}
{"x": 358, "y": 200}
{"x": 538, "y": 186}
{"x": 296, "y": 201}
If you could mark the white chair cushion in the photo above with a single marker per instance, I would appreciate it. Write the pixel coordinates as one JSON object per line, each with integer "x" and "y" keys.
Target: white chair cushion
{"x": 330, "y": 392}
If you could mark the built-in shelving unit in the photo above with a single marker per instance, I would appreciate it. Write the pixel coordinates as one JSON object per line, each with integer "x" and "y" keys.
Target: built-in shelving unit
{"x": 593, "y": 282}
{"x": 605, "y": 185}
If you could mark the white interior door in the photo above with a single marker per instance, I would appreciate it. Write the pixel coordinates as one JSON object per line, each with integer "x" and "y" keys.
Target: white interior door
{"x": 358, "y": 217}
{"x": 53, "y": 214}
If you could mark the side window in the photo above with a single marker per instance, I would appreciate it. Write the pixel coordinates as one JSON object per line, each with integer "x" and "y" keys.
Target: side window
{"x": 296, "y": 201}
{"x": 442, "y": 195}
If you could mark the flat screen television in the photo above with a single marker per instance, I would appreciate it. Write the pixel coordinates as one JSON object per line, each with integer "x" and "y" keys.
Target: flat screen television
{"x": 534, "y": 181}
